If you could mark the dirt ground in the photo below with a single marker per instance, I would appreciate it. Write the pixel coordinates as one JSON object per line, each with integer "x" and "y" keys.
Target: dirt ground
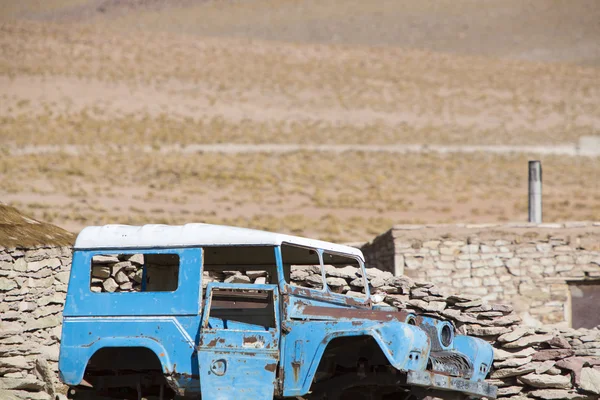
{"x": 112, "y": 74}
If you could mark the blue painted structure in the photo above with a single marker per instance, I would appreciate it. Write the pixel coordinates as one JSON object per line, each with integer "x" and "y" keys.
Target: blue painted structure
{"x": 223, "y": 357}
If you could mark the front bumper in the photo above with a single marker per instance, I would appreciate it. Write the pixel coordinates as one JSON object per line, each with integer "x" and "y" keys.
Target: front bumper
{"x": 435, "y": 381}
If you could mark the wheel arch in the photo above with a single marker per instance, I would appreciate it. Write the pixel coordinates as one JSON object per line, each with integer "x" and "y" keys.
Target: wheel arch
{"x": 73, "y": 374}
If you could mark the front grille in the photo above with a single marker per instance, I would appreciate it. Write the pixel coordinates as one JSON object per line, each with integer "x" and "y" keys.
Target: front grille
{"x": 450, "y": 363}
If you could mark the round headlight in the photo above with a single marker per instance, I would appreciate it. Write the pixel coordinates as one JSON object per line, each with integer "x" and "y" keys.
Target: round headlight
{"x": 446, "y": 335}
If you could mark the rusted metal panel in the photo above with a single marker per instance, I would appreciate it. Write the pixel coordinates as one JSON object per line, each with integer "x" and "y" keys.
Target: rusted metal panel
{"x": 435, "y": 381}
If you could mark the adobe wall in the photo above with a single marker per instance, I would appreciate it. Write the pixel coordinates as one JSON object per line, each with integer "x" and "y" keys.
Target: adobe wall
{"x": 525, "y": 265}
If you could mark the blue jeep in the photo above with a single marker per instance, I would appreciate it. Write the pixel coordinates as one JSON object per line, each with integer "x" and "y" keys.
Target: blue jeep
{"x": 216, "y": 312}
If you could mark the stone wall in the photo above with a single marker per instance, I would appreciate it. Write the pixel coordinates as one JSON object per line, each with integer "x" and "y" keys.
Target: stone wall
{"x": 543, "y": 363}
{"x": 526, "y": 265}
{"x": 33, "y": 286}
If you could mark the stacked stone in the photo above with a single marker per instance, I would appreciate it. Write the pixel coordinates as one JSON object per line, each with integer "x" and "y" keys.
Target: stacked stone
{"x": 527, "y": 265}
{"x": 33, "y": 286}
{"x": 251, "y": 276}
{"x": 117, "y": 273}
{"x": 541, "y": 363}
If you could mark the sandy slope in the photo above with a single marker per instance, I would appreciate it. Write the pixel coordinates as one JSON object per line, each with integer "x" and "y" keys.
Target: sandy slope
{"x": 133, "y": 77}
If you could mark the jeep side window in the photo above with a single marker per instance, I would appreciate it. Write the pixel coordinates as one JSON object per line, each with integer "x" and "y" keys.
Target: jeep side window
{"x": 142, "y": 272}
{"x": 302, "y": 266}
{"x": 343, "y": 275}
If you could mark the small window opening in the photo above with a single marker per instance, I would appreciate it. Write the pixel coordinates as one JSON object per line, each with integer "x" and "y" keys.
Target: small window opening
{"x": 112, "y": 273}
{"x": 343, "y": 275}
{"x": 302, "y": 267}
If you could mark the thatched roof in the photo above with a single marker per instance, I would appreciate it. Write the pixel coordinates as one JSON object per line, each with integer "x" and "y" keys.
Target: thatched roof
{"x": 18, "y": 230}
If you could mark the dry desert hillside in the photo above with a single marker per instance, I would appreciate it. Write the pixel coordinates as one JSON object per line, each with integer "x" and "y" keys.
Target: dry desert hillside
{"x": 102, "y": 103}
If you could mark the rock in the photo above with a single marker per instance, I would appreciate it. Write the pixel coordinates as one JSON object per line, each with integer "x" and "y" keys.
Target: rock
{"x": 467, "y": 304}
{"x": 501, "y": 355}
{"x": 121, "y": 278}
{"x": 373, "y": 273}
{"x": 505, "y": 308}
{"x": 403, "y": 282}
{"x": 434, "y": 306}
{"x": 45, "y": 374}
{"x": 512, "y": 362}
{"x": 256, "y": 274}
{"x": 105, "y": 259}
{"x": 137, "y": 275}
{"x": 8, "y": 395}
{"x": 126, "y": 287}
{"x": 50, "y": 353}
{"x": 455, "y": 298}
{"x": 355, "y": 294}
{"x": 559, "y": 343}
{"x": 590, "y": 380}
{"x": 102, "y": 272}
{"x": 63, "y": 277}
{"x": 544, "y": 366}
{"x": 509, "y": 390}
{"x": 298, "y": 275}
{"x": 56, "y": 298}
{"x": 29, "y": 383}
{"x": 25, "y": 395}
{"x": 554, "y": 371}
{"x": 390, "y": 289}
{"x": 515, "y": 334}
{"x": 13, "y": 339}
{"x": 486, "y": 330}
{"x": 315, "y": 281}
{"x": 336, "y": 282}
{"x": 238, "y": 279}
{"x": 110, "y": 285}
{"x": 576, "y": 364}
{"x": 261, "y": 280}
{"x": 527, "y": 341}
{"x": 546, "y": 381}
{"x": 42, "y": 323}
{"x": 419, "y": 293}
{"x": 377, "y": 282}
{"x": 348, "y": 272}
{"x": 19, "y": 362}
{"x": 20, "y": 265}
{"x": 35, "y": 266}
{"x": 508, "y": 372}
{"x": 487, "y": 314}
{"x": 358, "y": 282}
{"x": 7, "y": 284}
{"x": 558, "y": 394}
{"x": 137, "y": 259}
{"x": 552, "y": 354}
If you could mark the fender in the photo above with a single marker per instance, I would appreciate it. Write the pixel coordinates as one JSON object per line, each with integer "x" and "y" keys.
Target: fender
{"x": 405, "y": 346}
{"x": 83, "y": 336}
{"x": 477, "y": 350}
{"x": 74, "y": 359}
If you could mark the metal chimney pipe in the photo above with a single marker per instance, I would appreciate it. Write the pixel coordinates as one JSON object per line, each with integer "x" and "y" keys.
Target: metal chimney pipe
{"x": 535, "y": 192}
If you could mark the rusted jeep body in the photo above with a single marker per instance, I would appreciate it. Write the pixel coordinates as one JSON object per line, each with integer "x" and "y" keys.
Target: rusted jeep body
{"x": 211, "y": 311}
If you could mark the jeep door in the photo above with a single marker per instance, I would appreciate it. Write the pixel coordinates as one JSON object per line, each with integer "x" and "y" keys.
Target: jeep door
{"x": 238, "y": 349}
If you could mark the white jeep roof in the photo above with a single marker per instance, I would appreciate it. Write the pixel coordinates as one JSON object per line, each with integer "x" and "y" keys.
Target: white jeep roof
{"x": 164, "y": 236}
